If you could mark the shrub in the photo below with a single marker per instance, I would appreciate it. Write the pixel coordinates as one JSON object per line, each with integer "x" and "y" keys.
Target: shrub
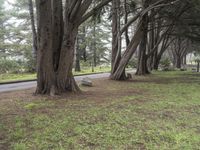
{"x": 165, "y": 64}
{"x": 30, "y": 66}
{"x": 10, "y": 66}
{"x": 132, "y": 63}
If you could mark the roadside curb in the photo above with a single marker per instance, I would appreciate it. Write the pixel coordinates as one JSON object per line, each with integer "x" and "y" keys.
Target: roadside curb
{"x": 20, "y": 81}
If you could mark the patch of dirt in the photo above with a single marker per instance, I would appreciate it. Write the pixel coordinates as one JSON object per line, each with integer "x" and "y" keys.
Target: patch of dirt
{"x": 98, "y": 94}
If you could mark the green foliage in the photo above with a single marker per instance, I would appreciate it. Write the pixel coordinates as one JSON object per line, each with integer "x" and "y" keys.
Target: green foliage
{"x": 96, "y": 41}
{"x": 165, "y": 64}
{"x": 16, "y": 66}
{"x": 133, "y": 63}
{"x": 16, "y": 77}
{"x": 9, "y": 66}
{"x": 15, "y": 34}
{"x": 31, "y": 106}
{"x": 197, "y": 60}
{"x": 29, "y": 64}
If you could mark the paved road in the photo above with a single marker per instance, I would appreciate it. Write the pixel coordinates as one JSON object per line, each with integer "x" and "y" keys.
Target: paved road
{"x": 32, "y": 84}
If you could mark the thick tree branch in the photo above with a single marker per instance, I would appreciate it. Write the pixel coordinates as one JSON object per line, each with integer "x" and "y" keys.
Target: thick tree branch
{"x": 92, "y": 12}
{"x": 143, "y": 12}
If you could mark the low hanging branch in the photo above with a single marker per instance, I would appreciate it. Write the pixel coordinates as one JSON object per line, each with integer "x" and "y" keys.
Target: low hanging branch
{"x": 143, "y": 12}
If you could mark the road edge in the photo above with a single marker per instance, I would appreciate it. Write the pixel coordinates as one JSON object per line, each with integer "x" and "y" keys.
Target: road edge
{"x": 31, "y": 80}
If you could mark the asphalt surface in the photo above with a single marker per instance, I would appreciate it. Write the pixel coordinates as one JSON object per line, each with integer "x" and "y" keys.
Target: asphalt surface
{"x": 32, "y": 84}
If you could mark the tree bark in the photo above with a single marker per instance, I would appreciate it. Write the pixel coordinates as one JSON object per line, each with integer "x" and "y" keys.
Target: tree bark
{"x": 142, "y": 68}
{"x": 198, "y": 65}
{"x": 45, "y": 70}
{"x": 58, "y": 28}
{"x": 179, "y": 50}
{"x": 83, "y": 36}
{"x": 185, "y": 59}
{"x": 132, "y": 47}
{"x": 77, "y": 61}
{"x": 125, "y": 22}
{"x": 116, "y": 39}
{"x": 65, "y": 79}
{"x": 56, "y": 43}
{"x": 56, "y": 51}
{"x": 178, "y": 62}
{"x": 94, "y": 44}
{"x": 34, "y": 34}
{"x": 115, "y": 59}
{"x": 152, "y": 41}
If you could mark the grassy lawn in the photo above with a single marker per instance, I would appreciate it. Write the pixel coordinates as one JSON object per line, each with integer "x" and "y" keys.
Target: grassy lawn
{"x": 28, "y": 76}
{"x": 16, "y": 77}
{"x": 156, "y": 112}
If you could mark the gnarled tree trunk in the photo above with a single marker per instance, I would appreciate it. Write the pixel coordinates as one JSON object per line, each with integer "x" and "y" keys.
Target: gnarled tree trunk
{"x": 132, "y": 47}
{"x": 45, "y": 70}
{"x": 142, "y": 67}
{"x": 178, "y": 61}
{"x": 78, "y": 55}
{"x": 198, "y": 65}
{"x": 116, "y": 40}
{"x": 56, "y": 43}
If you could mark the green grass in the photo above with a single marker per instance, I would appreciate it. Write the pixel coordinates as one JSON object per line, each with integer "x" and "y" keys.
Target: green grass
{"x": 29, "y": 76}
{"x": 86, "y": 70}
{"x": 156, "y": 112}
{"x": 16, "y": 77}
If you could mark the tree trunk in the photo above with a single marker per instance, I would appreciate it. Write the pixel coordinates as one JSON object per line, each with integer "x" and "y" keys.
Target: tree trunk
{"x": 115, "y": 59}
{"x": 58, "y": 29}
{"x": 45, "y": 70}
{"x": 83, "y": 36}
{"x": 55, "y": 54}
{"x": 34, "y": 34}
{"x": 142, "y": 68}
{"x": 178, "y": 62}
{"x": 125, "y": 22}
{"x": 128, "y": 53}
{"x": 152, "y": 41}
{"x": 156, "y": 64}
{"x": 77, "y": 61}
{"x": 56, "y": 43}
{"x": 158, "y": 57}
{"x": 65, "y": 79}
{"x": 116, "y": 40}
{"x": 94, "y": 44}
{"x": 185, "y": 59}
{"x": 198, "y": 65}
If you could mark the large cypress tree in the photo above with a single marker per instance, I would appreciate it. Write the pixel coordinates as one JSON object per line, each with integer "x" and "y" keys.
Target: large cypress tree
{"x": 56, "y": 42}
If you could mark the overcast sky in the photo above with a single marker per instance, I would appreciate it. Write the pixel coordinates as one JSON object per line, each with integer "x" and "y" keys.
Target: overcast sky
{"x": 7, "y": 5}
